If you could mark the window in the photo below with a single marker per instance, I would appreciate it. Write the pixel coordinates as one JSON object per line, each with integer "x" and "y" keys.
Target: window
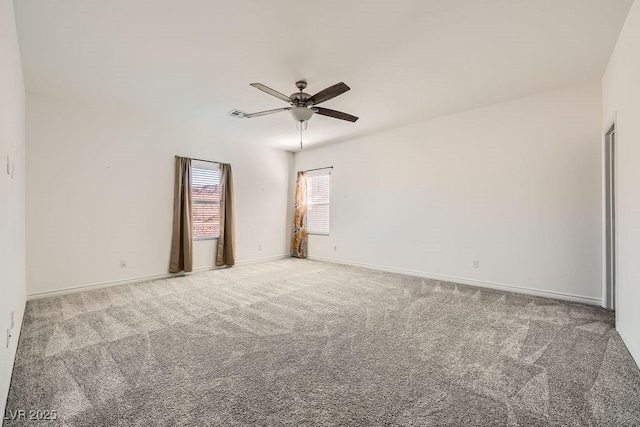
{"x": 205, "y": 199}
{"x": 318, "y": 203}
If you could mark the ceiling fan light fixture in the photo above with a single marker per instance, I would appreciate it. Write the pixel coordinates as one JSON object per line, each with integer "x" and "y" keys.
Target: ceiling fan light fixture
{"x": 301, "y": 114}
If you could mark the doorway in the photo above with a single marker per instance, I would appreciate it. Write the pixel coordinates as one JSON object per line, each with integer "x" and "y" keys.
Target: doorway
{"x": 609, "y": 300}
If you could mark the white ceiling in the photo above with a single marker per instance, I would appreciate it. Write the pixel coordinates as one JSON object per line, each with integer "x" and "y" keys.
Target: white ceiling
{"x": 405, "y": 60}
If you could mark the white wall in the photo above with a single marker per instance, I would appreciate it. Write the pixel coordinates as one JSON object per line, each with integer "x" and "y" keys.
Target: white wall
{"x": 514, "y": 185}
{"x": 621, "y": 98}
{"x": 12, "y": 194}
{"x": 100, "y": 189}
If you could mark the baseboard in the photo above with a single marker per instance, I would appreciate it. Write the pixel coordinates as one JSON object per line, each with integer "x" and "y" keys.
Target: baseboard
{"x": 634, "y": 355}
{"x": 461, "y": 280}
{"x": 472, "y": 282}
{"x": 269, "y": 258}
{"x": 74, "y": 289}
{"x": 15, "y": 339}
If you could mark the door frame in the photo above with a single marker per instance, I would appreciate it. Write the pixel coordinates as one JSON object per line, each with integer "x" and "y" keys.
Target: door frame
{"x": 612, "y": 125}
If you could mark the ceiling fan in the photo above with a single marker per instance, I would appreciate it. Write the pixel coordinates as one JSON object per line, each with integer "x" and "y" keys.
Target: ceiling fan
{"x": 303, "y": 105}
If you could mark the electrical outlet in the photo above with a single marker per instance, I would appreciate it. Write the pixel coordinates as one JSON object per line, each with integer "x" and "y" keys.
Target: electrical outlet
{"x": 123, "y": 263}
{"x": 259, "y": 247}
{"x": 476, "y": 263}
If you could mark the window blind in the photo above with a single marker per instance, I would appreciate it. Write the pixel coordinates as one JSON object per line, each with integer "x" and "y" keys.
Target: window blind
{"x": 205, "y": 199}
{"x": 318, "y": 195}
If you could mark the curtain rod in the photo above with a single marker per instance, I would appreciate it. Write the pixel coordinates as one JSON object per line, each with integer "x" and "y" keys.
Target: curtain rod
{"x": 318, "y": 169}
{"x": 201, "y": 160}
{"x": 206, "y": 161}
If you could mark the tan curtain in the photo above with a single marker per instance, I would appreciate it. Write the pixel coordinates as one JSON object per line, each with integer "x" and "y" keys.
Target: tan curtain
{"x": 182, "y": 242}
{"x": 299, "y": 231}
{"x": 226, "y": 241}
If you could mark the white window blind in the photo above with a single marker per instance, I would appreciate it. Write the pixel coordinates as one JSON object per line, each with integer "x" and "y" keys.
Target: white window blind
{"x": 318, "y": 189}
{"x": 205, "y": 200}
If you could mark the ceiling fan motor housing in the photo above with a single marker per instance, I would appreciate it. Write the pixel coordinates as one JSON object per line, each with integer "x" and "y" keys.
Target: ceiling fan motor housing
{"x": 299, "y": 99}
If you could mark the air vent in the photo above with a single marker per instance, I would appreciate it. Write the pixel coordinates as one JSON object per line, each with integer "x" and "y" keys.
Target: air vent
{"x": 237, "y": 113}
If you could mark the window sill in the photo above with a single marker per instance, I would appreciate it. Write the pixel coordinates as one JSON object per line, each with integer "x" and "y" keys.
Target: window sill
{"x": 318, "y": 234}
{"x": 200, "y": 239}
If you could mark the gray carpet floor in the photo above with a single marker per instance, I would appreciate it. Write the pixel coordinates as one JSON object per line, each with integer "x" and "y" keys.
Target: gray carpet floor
{"x": 302, "y": 343}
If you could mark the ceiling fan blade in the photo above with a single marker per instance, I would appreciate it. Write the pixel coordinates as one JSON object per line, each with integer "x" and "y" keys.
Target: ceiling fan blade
{"x": 271, "y": 92}
{"x": 267, "y": 112}
{"x": 328, "y": 93}
{"x": 335, "y": 114}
